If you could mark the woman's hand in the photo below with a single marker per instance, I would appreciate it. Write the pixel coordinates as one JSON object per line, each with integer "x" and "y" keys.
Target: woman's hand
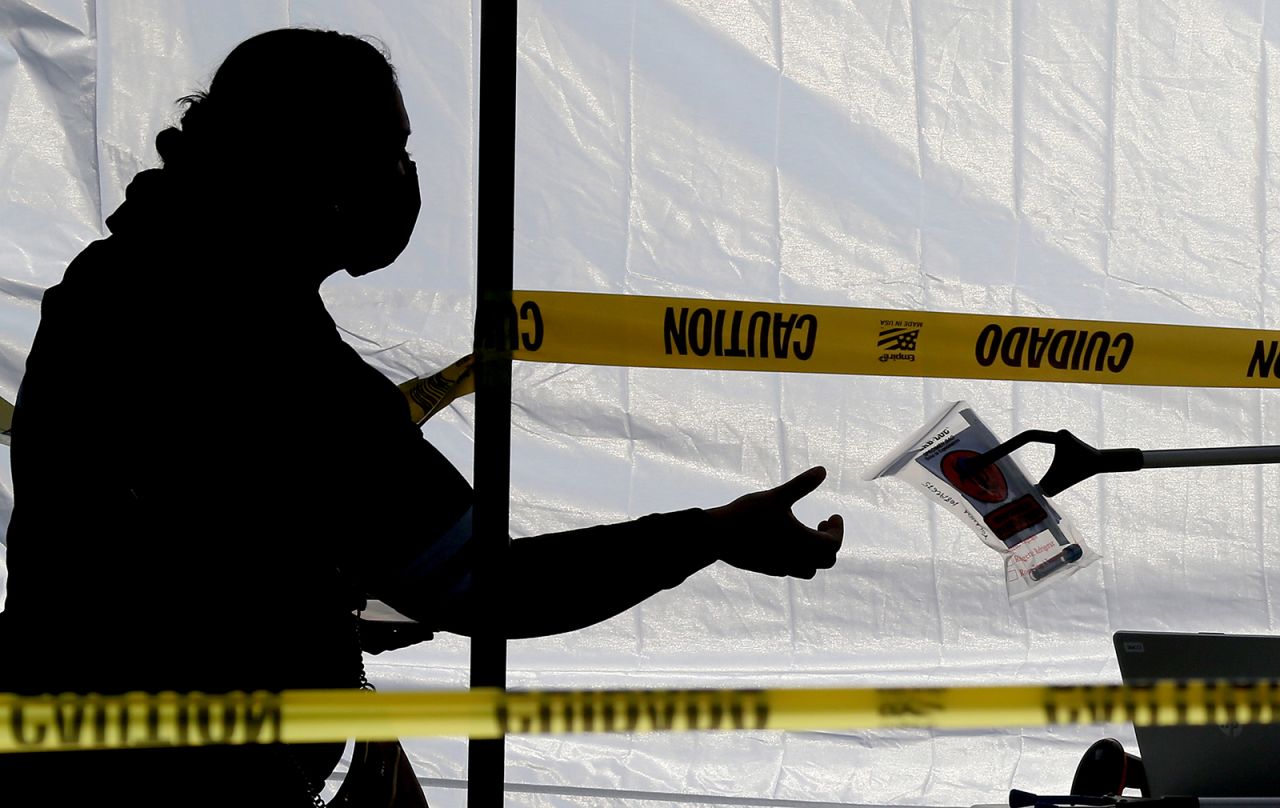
{"x": 759, "y": 533}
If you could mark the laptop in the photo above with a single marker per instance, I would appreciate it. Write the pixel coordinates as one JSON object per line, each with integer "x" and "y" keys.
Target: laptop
{"x": 1228, "y": 760}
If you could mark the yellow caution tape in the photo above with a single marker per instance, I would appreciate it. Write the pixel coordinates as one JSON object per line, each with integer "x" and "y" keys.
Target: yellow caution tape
{"x": 6, "y": 421}
{"x": 671, "y": 332}
{"x": 666, "y": 332}
{"x": 71, "y": 722}
{"x": 431, "y": 394}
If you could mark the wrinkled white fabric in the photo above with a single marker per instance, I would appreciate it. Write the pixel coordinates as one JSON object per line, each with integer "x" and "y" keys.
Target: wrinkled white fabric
{"x": 1112, "y": 159}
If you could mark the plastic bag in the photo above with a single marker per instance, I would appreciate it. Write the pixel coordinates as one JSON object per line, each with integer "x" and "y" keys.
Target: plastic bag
{"x": 999, "y": 502}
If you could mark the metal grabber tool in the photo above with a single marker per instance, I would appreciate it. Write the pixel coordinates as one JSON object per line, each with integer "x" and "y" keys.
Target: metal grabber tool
{"x": 1075, "y": 461}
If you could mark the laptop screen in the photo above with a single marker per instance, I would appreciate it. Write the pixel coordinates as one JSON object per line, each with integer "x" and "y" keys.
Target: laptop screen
{"x": 1227, "y": 760}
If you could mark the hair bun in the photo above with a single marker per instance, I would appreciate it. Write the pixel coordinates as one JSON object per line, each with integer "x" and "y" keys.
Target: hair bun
{"x": 171, "y": 143}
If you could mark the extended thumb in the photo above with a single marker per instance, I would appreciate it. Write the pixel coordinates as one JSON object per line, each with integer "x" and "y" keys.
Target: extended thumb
{"x": 801, "y": 485}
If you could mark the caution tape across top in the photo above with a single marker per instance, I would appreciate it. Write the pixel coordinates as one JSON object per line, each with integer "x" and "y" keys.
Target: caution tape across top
{"x": 139, "y": 720}
{"x": 666, "y": 332}
{"x": 695, "y": 333}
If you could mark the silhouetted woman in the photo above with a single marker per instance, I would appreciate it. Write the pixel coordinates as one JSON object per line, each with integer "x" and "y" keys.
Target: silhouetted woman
{"x": 209, "y": 481}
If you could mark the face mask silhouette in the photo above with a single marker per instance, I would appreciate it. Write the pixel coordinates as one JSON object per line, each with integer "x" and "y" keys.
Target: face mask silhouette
{"x": 376, "y": 229}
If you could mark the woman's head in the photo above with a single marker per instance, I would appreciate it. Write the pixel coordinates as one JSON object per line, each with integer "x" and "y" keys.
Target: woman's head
{"x": 290, "y": 97}
{"x": 310, "y": 123}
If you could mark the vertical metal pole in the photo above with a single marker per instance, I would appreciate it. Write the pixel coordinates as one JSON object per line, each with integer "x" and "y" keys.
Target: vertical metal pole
{"x": 495, "y": 226}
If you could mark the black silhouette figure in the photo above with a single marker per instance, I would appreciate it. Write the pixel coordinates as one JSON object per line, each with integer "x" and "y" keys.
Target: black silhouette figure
{"x": 209, "y": 481}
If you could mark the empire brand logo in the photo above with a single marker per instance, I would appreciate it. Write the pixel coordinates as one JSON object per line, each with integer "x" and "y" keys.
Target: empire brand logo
{"x": 898, "y": 339}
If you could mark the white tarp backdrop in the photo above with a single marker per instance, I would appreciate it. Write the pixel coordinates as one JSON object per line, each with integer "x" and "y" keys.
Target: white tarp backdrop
{"x": 1112, "y": 160}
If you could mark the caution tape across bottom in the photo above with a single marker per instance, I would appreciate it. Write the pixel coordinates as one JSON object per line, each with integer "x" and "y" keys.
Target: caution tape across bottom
{"x": 140, "y": 720}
